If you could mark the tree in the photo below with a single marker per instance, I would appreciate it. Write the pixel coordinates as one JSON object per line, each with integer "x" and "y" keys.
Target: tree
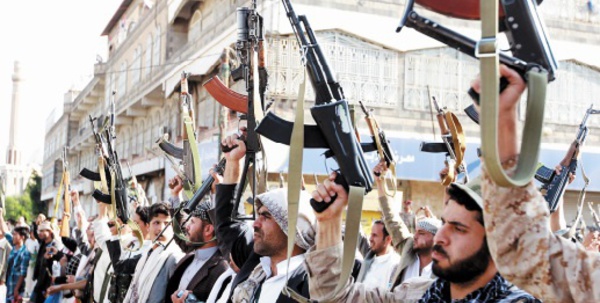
{"x": 28, "y": 204}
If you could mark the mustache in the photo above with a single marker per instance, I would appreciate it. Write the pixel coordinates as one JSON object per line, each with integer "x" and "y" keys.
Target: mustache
{"x": 438, "y": 248}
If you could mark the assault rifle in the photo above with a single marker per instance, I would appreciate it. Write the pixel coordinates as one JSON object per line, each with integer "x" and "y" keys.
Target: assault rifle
{"x": 190, "y": 206}
{"x": 454, "y": 144}
{"x": 251, "y": 54}
{"x": 334, "y": 129}
{"x": 65, "y": 185}
{"x": 117, "y": 185}
{"x": 555, "y": 185}
{"x": 189, "y": 156}
{"x": 519, "y": 20}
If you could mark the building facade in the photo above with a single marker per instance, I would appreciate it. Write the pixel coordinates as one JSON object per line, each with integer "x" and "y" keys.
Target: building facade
{"x": 151, "y": 42}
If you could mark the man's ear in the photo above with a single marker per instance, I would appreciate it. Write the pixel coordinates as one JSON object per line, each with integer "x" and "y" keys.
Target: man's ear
{"x": 209, "y": 228}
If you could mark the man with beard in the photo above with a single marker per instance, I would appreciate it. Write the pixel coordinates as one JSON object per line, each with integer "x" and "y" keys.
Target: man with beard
{"x": 261, "y": 251}
{"x": 380, "y": 258}
{"x": 197, "y": 272}
{"x": 461, "y": 261}
{"x": 153, "y": 270}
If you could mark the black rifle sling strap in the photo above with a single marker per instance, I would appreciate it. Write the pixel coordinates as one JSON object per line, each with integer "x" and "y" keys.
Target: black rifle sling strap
{"x": 105, "y": 283}
{"x": 487, "y": 52}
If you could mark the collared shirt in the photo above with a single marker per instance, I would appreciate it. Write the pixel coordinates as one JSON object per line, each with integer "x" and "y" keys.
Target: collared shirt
{"x": 381, "y": 269}
{"x": 497, "y": 290}
{"x": 18, "y": 261}
{"x": 271, "y": 288}
{"x": 200, "y": 257}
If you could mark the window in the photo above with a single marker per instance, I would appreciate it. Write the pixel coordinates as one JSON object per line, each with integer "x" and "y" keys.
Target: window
{"x": 122, "y": 80}
{"x": 195, "y": 26}
{"x": 136, "y": 65}
{"x": 156, "y": 49}
{"x": 148, "y": 57}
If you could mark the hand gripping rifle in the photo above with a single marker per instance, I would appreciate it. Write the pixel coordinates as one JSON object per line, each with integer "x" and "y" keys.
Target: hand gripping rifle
{"x": 555, "y": 185}
{"x": 65, "y": 184}
{"x": 117, "y": 185}
{"x": 334, "y": 129}
{"x": 383, "y": 147}
{"x": 454, "y": 144}
{"x": 190, "y": 206}
{"x": 251, "y": 53}
{"x": 189, "y": 155}
{"x": 531, "y": 57}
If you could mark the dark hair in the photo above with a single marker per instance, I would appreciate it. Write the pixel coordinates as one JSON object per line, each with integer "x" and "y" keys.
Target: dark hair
{"x": 143, "y": 213}
{"x": 160, "y": 209}
{"x": 465, "y": 200}
{"x": 22, "y": 230}
{"x": 385, "y": 232}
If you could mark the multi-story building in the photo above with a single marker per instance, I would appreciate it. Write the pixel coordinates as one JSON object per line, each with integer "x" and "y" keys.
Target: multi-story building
{"x": 395, "y": 74}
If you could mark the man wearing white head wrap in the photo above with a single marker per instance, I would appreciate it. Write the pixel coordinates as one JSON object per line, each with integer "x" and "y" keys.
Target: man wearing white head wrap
{"x": 261, "y": 252}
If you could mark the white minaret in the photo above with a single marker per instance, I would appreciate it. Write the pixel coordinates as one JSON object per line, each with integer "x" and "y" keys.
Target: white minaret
{"x": 13, "y": 153}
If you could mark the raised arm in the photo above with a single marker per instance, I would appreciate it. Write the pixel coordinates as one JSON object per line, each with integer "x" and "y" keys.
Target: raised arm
{"x": 521, "y": 243}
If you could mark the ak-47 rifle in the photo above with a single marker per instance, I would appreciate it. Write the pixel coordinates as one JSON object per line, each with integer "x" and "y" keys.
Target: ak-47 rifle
{"x": 529, "y": 44}
{"x": 532, "y": 59}
{"x": 189, "y": 155}
{"x": 251, "y": 55}
{"x": 555, "y": 185}
{"x": 334, "y": 130}
{"x": 136, "y": 189}
{"x": 383, "y": 147}
{"x": 189, "y": 206}
{"x": 65, "y": 185}
{"x": 454, "y": 144}
{"x": 117, "y": 185}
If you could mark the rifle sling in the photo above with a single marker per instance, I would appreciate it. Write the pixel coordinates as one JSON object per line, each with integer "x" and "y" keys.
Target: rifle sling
{"x": 537, "y": 81}
{"x": 187, "y": 122}
{"x": 295, "y": 179}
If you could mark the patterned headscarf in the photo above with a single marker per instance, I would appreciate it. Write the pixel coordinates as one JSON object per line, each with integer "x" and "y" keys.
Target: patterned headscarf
{"x": 429, "y": 224}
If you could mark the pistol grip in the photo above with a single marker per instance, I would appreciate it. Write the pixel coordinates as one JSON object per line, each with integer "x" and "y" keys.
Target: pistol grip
{"x": 475, "y": 96}
{"x": 322, "y": 206}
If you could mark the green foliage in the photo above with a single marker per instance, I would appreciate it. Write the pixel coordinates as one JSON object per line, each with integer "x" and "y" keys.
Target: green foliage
{"x": 28, "y": 204}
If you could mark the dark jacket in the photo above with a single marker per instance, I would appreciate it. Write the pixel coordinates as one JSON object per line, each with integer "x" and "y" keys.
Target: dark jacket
{"x": 203, "y": 281}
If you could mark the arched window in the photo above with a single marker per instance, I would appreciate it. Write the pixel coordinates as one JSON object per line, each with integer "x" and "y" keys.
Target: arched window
{"x": 136, "y": 65}
{"x": 195, "y": 26}
{"x": 122, "y": 80}
{"x": 156, "y": 49}
{"x": 140, "y": 138}
{"x": 148, "y": 57}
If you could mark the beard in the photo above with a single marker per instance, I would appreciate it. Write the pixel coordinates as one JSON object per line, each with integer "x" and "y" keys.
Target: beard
{"x": 465, "y": 270}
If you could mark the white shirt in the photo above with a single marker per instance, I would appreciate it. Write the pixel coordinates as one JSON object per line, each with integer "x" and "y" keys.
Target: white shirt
{"x": 212, "y": 298}
{"x": 200, "y": 257}
{"x": 273, "y": 285}
{"x": 412, "y": 270}
{"x": 381, "y": 270}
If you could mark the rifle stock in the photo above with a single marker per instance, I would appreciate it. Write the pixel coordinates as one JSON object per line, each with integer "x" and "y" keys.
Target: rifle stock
{"x": 226, "y": 96}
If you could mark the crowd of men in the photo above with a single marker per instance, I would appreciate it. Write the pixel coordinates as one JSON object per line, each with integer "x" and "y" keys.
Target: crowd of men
{"x": 490, "y": 244}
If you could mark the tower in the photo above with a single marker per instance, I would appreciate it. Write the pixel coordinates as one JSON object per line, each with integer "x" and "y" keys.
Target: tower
{"x": 13, "y": 153}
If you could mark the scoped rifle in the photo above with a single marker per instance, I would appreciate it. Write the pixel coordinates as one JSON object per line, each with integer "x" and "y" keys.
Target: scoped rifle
{"x": 189, "y": 155}
{"x": 554, "y": 185}
{"x": 334, "y": 129}
{"x": 454, "y": 144}
{"x": 531, "y": 57}
{"x": 117, "y": 185}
